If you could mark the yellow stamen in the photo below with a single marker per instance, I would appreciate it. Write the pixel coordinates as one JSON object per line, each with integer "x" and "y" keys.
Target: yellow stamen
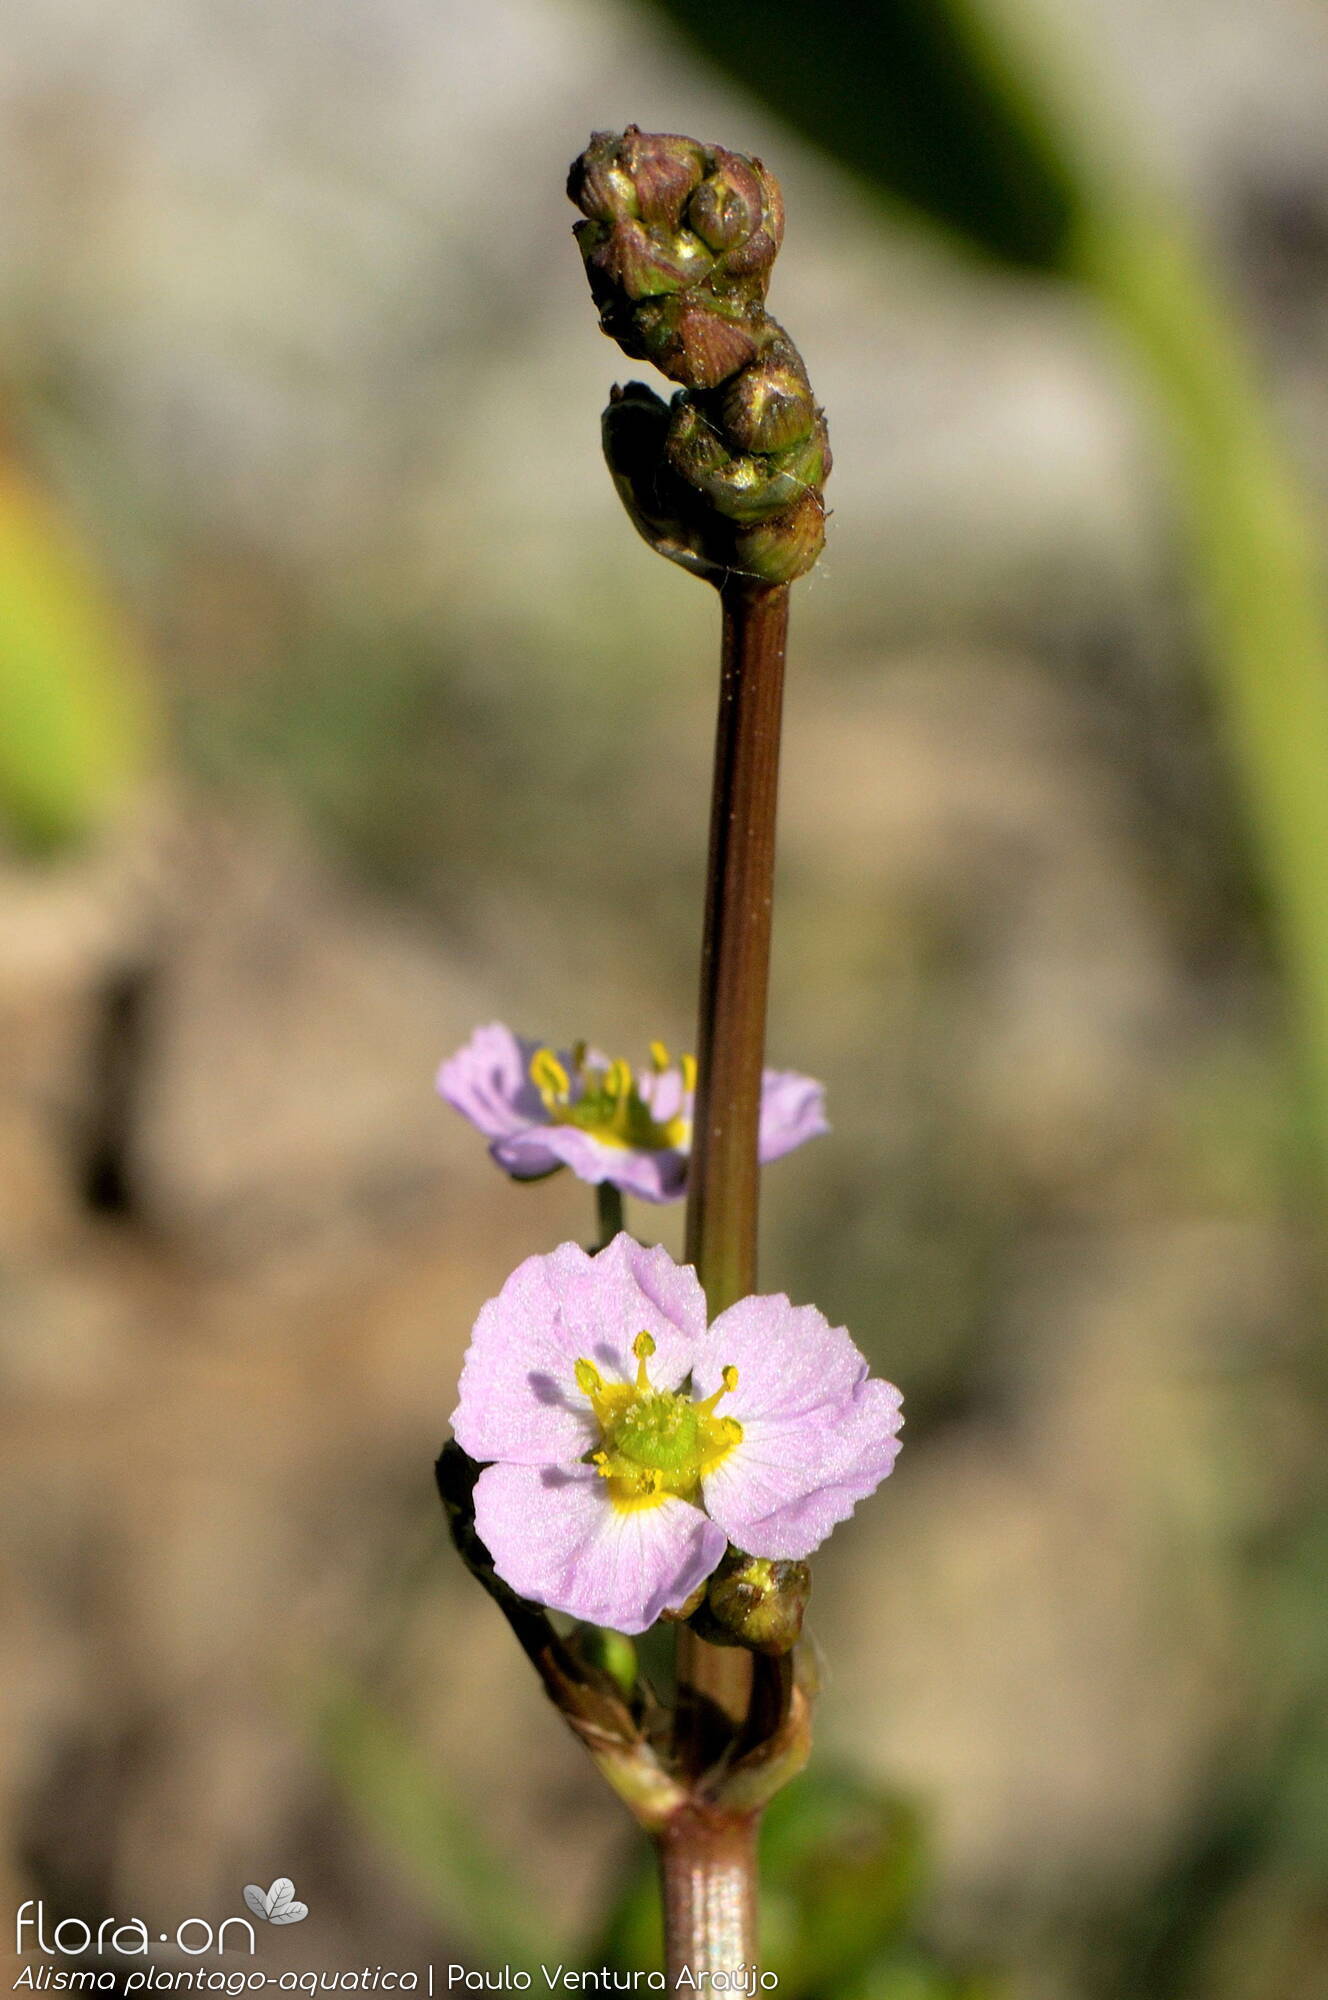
{"x": 609, "y": 1101}
{"x": 588, "y": 1379}
{"x": 618, "y": 1079}
{"x": 728, "y": 1383}
{"x": 655, "y": 1444}
{"x": 549, "y": 1077}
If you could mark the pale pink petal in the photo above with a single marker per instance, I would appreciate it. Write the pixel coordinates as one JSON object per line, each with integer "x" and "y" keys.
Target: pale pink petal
{"x": 788, "y": 1483}
{"x": 519, "y": 1399}
{"x": 649, "y": 1174}
{"x": 790, "y": 1360}
{"x": 556, "y": 1537}
{"x": 488, "y": 1082}
{"x": 792, "y": 1111}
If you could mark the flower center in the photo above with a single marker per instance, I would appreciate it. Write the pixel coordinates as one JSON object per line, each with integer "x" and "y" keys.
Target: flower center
{"x": 611, "y": 1101}
{"x": 654, "y": 1444}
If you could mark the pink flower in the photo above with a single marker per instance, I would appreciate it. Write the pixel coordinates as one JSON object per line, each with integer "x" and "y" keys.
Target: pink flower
{"x": 630, "y": 1443}
{"x": 542, "y": 1110}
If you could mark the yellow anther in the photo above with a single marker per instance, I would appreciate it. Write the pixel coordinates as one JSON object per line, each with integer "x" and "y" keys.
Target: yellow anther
{"x": 549, "y": 1077}
{"x": 618, "y": 1079}
{"x": 642, "y": 1347}
{"x": 659, "y": 1055}
{"x": 588, "y": 1379}
{"x": 728, "y": 1383}
{"x": 689, "y": 1072}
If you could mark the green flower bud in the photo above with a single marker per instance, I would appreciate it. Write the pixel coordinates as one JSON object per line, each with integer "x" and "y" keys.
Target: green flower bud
{"x": 769, "y": 406}
{"x": 756, "y": 1602}
{"x": 627, "y": 259}
{"x": 727, "y": 208}
{"x": 635, "y": 430}
{"x": 742, "y": 485}
{"x": 600, "y": 184}
{"x": 782, "y": 550}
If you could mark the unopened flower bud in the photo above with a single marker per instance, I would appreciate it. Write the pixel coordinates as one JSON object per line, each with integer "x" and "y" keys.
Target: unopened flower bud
{"x": 664, "y": 168}
{"x": 635, "y": 431}
{"x": 782, "y": 550}
{"x": 600, "y": 184}
{"x": 755, "y": 1601}
{"x": 678, "y": 240}
{"x": 726, "y": 209}
{"x": 626, "y": 257}
{"x": 769, "y": 406}
{"x": 744, "y": 486}
{"x": 739, "y": 212}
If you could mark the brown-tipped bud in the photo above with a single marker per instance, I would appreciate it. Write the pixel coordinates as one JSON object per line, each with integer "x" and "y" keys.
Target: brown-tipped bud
{"x": 626, "y": 258}
{"x": 636, "y": 176}
{"x": 755, "y": 1601}
{"x": 739, "y": 212}
{"x": 689, "y": 342}
{"x": 768, "y": 406}
{"x": 782, "y": 550}
{"x": 599, "y": 183}
{"x": 664, "y": 168}
{"x": 678, "y": 240}
{"x": 727, "y": 207}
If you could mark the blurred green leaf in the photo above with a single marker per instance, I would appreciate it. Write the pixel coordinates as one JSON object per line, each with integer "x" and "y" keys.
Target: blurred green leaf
{"x": 917, "y": 96}
{"x": 844, "y": 1865}
{"x": 410, "y": 1810}
{"x": 75, "y": 723}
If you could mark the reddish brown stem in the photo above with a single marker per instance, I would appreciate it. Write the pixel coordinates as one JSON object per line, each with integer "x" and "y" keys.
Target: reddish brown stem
{"x": 735, "y": 951}
{"x": 708, "y": 1874}
{"x": 709, "y": 1863}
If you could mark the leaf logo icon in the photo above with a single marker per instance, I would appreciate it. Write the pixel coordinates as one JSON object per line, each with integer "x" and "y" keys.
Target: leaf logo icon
{"x": 276, "y": 1905}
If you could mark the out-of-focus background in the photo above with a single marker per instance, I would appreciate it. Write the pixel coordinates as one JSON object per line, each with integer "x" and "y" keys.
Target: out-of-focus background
{"x": 342, "y": 710}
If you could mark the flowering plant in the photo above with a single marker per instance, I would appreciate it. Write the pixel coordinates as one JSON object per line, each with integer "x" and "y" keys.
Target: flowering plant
{"x": 638, "y": 1440}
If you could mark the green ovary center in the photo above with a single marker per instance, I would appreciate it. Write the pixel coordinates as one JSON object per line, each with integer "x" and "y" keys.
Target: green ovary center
{"x": 607, "y": 1100}
{"x": 655, "y": 1445}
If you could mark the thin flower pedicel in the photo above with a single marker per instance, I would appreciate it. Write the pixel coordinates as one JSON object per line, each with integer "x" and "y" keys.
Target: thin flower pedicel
{"x": 628, "y": 1443}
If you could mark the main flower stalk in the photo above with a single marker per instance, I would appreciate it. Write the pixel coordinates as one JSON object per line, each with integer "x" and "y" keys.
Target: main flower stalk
{"x": 678, "y": 241}
{"x": 709, "y": 1869}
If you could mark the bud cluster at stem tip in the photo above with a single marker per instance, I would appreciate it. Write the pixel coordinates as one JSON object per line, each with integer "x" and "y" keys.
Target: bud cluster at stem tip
{"x": 678, "y": 241}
